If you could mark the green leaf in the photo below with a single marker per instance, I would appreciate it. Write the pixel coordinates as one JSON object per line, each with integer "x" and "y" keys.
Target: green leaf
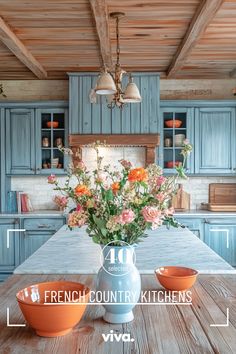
{"x": 96, "y": 239}
{"x": 109, "y": 195}
{"x": 104, "y": 232}
{"x": 99, "y": 222}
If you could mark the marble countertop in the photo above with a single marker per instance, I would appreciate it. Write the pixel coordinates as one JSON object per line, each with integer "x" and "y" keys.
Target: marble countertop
{"x": 73, "y": 252}
{"x": 33, "y": 214}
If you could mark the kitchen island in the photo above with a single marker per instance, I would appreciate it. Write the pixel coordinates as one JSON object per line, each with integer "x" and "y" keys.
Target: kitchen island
{"x": 73, "y": 252}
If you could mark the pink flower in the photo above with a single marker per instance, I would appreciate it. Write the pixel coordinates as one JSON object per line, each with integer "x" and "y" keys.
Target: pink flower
{"x": 160, "y": 180}
{"x": 79, "y": 208}
{"x": 169, "y": 211}
{"x": 126, "y": 164}
{"x": 151, "y": 214}
{"x": 81, "y": 165}
{"x": 186, "y": 141}
{"x": 161, "y": 197}
{"x": 52, "y": 179}
{"x": 127, "y": 216}
{"x": 61, "y": 201}
{"x": 76, "y": 218}
{"x": 101, "y": 177}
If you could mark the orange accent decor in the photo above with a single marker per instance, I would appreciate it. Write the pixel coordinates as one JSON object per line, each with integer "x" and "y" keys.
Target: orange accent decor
{"x": 176, "y": 278}
{"x": 50, "y": 320}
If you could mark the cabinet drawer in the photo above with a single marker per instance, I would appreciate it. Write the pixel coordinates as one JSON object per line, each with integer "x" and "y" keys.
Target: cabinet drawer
{"x": 43, "y": 224}
{"x": 190, "y": 223}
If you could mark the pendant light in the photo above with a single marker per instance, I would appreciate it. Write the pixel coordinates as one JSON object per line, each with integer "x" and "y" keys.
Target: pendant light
{"x": 110, "y": 83}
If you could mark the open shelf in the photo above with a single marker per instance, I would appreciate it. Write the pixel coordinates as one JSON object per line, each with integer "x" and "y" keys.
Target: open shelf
{"x": 171, "y": 152}
{"x": 51, "y": 140}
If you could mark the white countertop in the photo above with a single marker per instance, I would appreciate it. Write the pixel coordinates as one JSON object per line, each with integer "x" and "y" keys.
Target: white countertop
{"x": 73, "y": 252}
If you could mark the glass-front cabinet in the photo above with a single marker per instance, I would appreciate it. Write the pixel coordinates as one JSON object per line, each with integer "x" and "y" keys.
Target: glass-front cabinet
{"x": 176, "y": 126}
{"x": 53, "y": 132}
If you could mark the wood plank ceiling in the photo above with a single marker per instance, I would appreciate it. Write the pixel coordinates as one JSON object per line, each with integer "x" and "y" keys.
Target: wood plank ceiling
{"x": 56, "y": 37}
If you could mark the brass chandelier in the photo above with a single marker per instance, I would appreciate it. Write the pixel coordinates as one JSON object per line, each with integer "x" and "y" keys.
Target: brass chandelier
{"x": 110, "y": 84}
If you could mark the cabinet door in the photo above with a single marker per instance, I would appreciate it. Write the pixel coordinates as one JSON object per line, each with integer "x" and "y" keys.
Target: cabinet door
{"x": 215, "y": 141}
{"x": 20, "y": 142}
{"x": 49, "y": 138}
{"x": 222, "y": 239}
{"x": 37, "y": 232}
{"x": 32, "y": 240}
{"x": 9, "y": 251}
{"x": 172, "y": 138}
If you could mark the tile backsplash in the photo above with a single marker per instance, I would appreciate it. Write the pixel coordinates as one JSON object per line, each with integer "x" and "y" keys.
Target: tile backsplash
{"x": 41, "y": 193}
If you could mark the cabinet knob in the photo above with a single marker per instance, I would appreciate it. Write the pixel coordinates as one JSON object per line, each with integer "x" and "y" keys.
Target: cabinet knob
{"x": 38, "y": 169}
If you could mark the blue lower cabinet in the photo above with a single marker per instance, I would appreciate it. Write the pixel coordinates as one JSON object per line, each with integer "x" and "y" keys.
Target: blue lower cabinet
{"x": 32, "y": 240}
{"x": 37, "y": 232}
{"x": 23, "y": 244}
{"x": 9, "y": 247}
{"x": 194, "y": 225}
{"x": 221, "y": 237}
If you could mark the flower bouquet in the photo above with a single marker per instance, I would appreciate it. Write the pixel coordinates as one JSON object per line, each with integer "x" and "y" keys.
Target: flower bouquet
{"x": 119, "y": 206}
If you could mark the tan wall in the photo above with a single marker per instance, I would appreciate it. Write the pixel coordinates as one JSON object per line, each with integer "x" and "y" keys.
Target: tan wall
{"x": 197, "y": 89}
{"x": 34, "y": 90}
{"x": 30, "y": 90}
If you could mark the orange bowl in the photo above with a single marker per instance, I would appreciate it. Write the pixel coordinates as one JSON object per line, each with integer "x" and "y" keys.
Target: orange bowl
{"x": 173, "y": 123}
{"x": 172, "y": 164}
{"x": 52, "y": 124}
{"x": 55, "y": 318}
{"x": 176, "y": 278}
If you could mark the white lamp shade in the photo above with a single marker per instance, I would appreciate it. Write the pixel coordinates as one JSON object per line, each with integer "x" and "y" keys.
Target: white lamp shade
{"x": 105, "y": 85}
{"x": 132, "y": 94}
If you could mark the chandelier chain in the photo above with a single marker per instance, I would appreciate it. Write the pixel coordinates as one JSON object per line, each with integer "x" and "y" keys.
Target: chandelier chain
{"x": 117, "y": 42}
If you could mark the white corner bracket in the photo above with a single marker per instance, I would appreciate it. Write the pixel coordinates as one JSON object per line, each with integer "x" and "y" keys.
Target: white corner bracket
{"x": 8, "y": 235}
{"x": 11, "y": 324}
{"x": 223, "y": 324}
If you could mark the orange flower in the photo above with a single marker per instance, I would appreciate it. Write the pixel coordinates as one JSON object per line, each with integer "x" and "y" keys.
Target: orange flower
{"x": 115, "y": 187}
{"x": 138, "y": 175}
{"x": 81, "y": 189}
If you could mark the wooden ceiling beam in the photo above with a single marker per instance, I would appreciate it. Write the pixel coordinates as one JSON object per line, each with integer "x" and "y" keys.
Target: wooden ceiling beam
{"x": 203, "y": 16}
{"x": 100, "y": 14}
{"x": 12, "y": 42}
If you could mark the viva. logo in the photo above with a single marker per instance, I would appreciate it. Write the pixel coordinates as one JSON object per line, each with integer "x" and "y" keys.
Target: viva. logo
{"x": 117, "y": 337}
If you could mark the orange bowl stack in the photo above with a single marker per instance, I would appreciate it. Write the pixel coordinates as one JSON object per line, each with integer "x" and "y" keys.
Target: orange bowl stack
{"x": 49, "y": 315}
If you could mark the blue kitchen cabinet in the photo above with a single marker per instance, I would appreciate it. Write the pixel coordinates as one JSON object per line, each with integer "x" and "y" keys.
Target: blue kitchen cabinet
{"x": 220, "y": 235}
{"x": 9, "y": 253}
{"x": 194, "y": 225}
{"x": 215, "y": 143}
{"x": 20, "y": 142}
{"x": 49, "y": 158}
{"x": 37, "y": 232}
{"x": 170, "y": 148}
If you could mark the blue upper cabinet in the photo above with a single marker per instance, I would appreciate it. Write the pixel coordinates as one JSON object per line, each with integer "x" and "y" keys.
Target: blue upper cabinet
{"x": 215, "y": 143}
{"x": 34, "y": 136}
{"x": 176, "y": 125}
{"x": 96, "y": 118}
{"x": 20, "y": 142}
{"x": 51, "y": 135}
